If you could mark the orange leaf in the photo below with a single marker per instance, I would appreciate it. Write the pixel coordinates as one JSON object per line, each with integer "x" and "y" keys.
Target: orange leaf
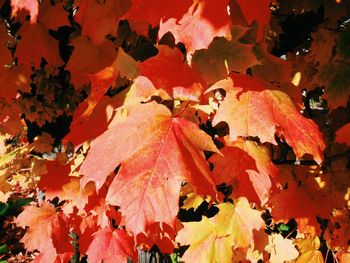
{"x": 197, "y": 28}
{"x": 158, "y": 234}
{"x": 302, "y": 197}
{"x": 55, "y": 178}
{"x": 170, "y": 151}
{"x": 167, "y": 70}
{"x": 12, "y": 80}
{"x": 153, "y": 11}
{"x": 111, "y": 246}
{"x": 47, "y": 46}
{"x": 76, "y": 196}
{"x": 50, "y": 17}
{"x": 231, "y": 168}
{"x": 343, "y": 134}
{"x": 247, "y": 166}
{"x": 47, "y": 231}
{"x": 261, "y": 113}
{"x": 256, "y": 10}
{"x": 32, "y": 6}
{"x": 88, "y": 58}
{"x": 87, "y": 127}
{"x": 337, "y": 233}
{"x": 100, "y": 18}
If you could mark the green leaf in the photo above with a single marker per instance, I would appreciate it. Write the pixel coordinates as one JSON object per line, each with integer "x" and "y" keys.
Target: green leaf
{"x": 283, "y": 228}
{"x": 3, "y": 209}
{"x": 3, "y": 250}
{"x": 174, "y": 258}
{"x": 21, "y": 202}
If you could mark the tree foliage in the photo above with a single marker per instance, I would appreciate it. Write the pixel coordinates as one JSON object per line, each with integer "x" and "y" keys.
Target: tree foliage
{"x": 214, "y": 131}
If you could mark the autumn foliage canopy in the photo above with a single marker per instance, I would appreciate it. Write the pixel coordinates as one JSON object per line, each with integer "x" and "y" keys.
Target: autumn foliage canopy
{"x": 208, "y": 131}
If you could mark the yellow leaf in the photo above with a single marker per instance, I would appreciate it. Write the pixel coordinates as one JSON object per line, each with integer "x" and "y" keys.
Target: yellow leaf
{"x": 308, "y": 248}
{"x": 206, "y": 246}
{"x": 212, "y": 240}
{"x": 281, "y": 249}
{"x": 5, "y": 188}
{"x": 238, "y": 221}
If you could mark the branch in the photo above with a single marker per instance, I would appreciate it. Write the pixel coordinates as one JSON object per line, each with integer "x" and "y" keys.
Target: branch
{"x": 328, "y": 159}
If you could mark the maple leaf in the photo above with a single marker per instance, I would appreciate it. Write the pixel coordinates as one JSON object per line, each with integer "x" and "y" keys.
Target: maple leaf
{"x": 247, "y": 167}
{"x": 211, "y": 240}
{"x": 50, "y": 17}
{"x": 259, "y": 113}
{"x": 239, "y": 220}
{"x": 103, "y": 212}
{"x": 43, "y": 143}
{"x": 29, "y": 5}
{"x": 78, "y": 197}
{"x": 99, "y": 19}
{"x": 55, "y": 178}
{"x": 87, "y": 127}
{"x": 281, "y": 249}
{"x": 158, "y": 234}
{"x": 321, "y": 47}
{"x": 153, "y": 11}
{"x": 164, "y": 70}
{"x": 5, "y": 187}
{"x": 9, "y": 118}
{"x": 88, "y": 58}
{"x": 308, "y": 248}
{"x": 301, "y": 197}
{"x": 342, "y": 135}
{"x": 261, "y": 239}
{"x": 205, "y": 243}
{"x": 124, "y": 66}
{"x": 170, "y": 150}
{"x": 142, "y": 154}
{"x": 192, "y": 199}
{"x": 265, "y": 168}
{"x": 261, "y": 155}
{"x": 231, "y": 168}
{"x": 280, "y": 72}
{"x": 332, "y": 71}
{"x": 198, "y": 27}
{"x": 110, "y": 246}
{"x": 48, "y": 46}
{"x": 253, "y": 11}
{"x": 47, "y": 231}
{"x": 143, "y": 89}
{"x": 338, "y": 231}
{"x": 333, "y": 76}
{"x": 223, "y": 56}
{"x": 343, "y": 256}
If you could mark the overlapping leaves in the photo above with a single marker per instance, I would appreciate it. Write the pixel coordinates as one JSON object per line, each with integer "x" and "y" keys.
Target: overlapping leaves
{"x": 141, "y": 131}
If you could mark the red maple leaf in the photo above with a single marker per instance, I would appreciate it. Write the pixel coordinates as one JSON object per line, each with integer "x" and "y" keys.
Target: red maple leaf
{"x": 157, "y": 153}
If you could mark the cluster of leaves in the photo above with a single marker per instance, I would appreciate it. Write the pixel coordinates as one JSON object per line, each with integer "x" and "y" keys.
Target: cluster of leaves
{"x": 215, "y": 131}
